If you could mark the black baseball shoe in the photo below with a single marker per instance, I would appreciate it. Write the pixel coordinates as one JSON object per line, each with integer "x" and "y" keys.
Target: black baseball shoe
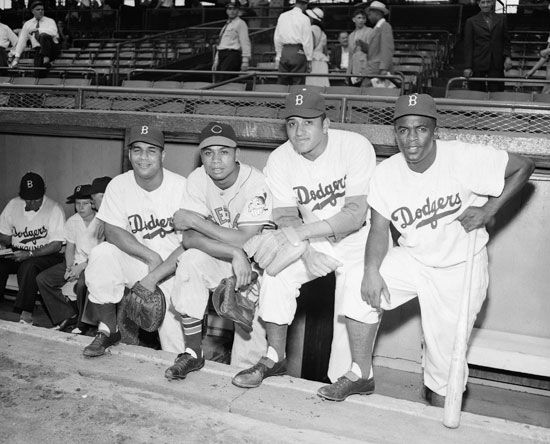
{"x": 345, "y": 387}
{"x": 184, "y": 363}
{"x": 253, "y": 376}
{"x": 100, "y": 343}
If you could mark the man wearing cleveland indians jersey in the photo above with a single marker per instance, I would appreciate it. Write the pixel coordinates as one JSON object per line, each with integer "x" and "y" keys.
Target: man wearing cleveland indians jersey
{"x": 434, "y": 192}
{"x": 319, "y": 180}
{"x": 226, "y": 203}
{"x": 141, "y": 244}
{"x": 32, "y": 224}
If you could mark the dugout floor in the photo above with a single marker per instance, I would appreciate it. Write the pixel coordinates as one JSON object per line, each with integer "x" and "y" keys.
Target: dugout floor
{"x": 527, "y": 408}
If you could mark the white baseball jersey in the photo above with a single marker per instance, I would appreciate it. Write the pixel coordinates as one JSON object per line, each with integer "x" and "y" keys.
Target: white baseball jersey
{"x": 147, "y": 215}
{"x": 83, "y": 237}
{"x": 247, "y": 202}
{"x": 30, "y": 230}
{"x": 424, "y": 206}
{"x": 319, "y": 188}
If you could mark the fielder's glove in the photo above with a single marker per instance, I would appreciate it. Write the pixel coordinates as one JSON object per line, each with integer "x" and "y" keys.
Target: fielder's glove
{"x": 144, "y": 307}
{"x": 275, "y": 250}
{"x": 237, "y": 305}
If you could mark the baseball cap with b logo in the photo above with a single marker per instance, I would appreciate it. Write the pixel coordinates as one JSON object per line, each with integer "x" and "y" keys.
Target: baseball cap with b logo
{"x": 415, "y": 105}
{"x": 80, "y": 192}
{"x": 216, "y": 133}
{"x": 31, "y": 187}
{"x": 305, "y": 103}
{"x": 147, "y": 134}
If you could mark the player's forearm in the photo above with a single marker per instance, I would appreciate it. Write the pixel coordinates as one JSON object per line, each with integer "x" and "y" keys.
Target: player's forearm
{"x": 69, "y": 254}
{"x": 236, "y": 238}
{"x": 51, "y": 248}
{"x": 513, "y": 183}
{"x": 212, "y": 247}
{"x": 286, "y": 217}
{"x": 377, "y": 242}
{"x": 167, "y": 267}
{"x": 128, "y": 243}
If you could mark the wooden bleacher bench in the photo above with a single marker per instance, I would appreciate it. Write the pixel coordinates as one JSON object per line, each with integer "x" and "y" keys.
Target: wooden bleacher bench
{"x": 509, "y": 351}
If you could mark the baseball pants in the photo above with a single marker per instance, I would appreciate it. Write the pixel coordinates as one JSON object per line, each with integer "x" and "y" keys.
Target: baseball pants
{"x": 278, "y": 293}
{"x": 110, "y": 271}
{"x": 196, "y": 275}
{"x": 439, "y": 291}
{"x": 293, "y": 59}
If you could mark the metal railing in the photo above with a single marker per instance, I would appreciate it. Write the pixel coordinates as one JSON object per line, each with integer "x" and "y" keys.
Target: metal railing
{"x": 516, "y": 82}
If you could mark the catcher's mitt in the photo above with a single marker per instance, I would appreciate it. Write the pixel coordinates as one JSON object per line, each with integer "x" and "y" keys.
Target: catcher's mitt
{"x": 275, "y": 250}
{"x": 145, "y": 308}
{"x": 237, "y": 305}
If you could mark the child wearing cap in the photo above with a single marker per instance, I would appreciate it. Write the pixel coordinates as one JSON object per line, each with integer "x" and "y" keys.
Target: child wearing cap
{"x": 32, "y": 225}
{"x": 62, "y": 284}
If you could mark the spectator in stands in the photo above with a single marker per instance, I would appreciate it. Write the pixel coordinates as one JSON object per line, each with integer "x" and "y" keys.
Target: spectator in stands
{"x": 32, "y": 224}
{"x": 7, "y": 38}
{"x": 380, "y": 46}
{"x": 319, "y": 61}
{"x": 358, "y": 44}
{"x": 43, "y": 35}
{"x": 339, "y": 55}
{"x": 544, "y": 56}
{"x": 487, "y": 47}
{"x": 165, "y": 4}
{"x": 63, "y": 284}
{"x": 65, "y": 36}
{"x": 234, "y": 49}
{"x": 293, "y": 44}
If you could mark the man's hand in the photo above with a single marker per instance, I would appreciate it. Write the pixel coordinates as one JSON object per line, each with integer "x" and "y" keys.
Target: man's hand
{"x": 241, "y": 268}
{"x": 244, "y": 65}
{"x": 373, "y": 288}
{"x": 468, "y": 72}
{"x": 21, "y": 255}
{"x": 475, "y": 217}
{"x": 186, "y": 220}
{"x": 508, "y": 63}
{"x": 14, "y": 62}
{"x": 309, "y": 66}
{"x": 319, "y": 264}
{"x": 74, "y": 271}
{"x": 215, "y": 65}
{"x": 149, "y": 282}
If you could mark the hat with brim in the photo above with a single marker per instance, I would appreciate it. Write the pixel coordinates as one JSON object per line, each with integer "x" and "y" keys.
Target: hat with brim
{"x": 316, "y": 14}
{"x": 415, "y": 105}
{"x": 80, "y": 192}
{"x": 304, "y": 103}
{"x": 32, "y": 187}
{"x": 147, "y": 134}
{"x": 99, "y": 184}
{"x": 378, "y": 6}
{"x": 217, "y": 134}
{"x": 233, "y": 4}
{"x": 35, "y": 4}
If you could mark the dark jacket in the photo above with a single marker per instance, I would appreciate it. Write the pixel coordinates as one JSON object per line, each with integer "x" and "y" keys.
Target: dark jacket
{"x": 335, "y": 57}
{"x": 485, "y": 49}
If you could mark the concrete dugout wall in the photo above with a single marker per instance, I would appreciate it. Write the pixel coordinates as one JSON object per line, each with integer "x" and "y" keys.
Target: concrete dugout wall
{"x": 69, "y": 148}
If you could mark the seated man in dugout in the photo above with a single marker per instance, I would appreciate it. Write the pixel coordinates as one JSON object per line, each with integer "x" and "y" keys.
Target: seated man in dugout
{"x": 227, "y": 202}
{"x": 62, "y": 285}
{"x": 32, "y": 225}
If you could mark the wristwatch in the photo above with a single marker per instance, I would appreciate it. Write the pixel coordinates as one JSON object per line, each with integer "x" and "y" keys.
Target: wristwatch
{"x": 31, "y": 254}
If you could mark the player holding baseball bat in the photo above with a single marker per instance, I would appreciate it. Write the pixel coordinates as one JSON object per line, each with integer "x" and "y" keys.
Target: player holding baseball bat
{"x": 434, "y": 192}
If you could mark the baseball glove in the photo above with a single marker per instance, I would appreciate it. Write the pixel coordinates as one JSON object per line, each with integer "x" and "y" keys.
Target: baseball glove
{"x": 145, "y": 308}
{"x": 275, "y": 250}
{"x": 238, "y": 305}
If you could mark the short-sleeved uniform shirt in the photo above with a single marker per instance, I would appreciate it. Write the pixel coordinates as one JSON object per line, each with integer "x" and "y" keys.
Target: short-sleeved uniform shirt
{"x": 424, "y": 207}
{"x": 83, "y": 237}
{"x": 30, "y": 230}
{"x": 319, "y": 187}
{"x": 246, "y": 203}
{"x": 147, "y": 215}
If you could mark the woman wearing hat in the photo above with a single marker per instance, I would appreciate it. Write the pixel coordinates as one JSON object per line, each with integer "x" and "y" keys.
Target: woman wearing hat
{"x": 319, "y": 64}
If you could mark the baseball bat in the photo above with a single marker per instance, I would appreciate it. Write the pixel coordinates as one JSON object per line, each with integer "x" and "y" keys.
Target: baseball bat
{"x": 455, "y": 383}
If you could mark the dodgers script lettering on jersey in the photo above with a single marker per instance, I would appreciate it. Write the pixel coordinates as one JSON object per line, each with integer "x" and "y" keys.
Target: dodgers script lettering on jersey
{"x": 154, "y": 226}
{"x": 428, "y": 214}
{"x": 322, "y": 195}
{"x": 29, "y": 236}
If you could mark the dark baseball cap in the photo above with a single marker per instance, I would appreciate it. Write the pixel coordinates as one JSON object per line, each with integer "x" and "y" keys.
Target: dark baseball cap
{"x": 216, "y": 133}
{"x": 148, "y": 134}
{"x": 80, "y": 192}
{"x": 35, "y": 4}
{"x": 99, "y": 184}
{"x": 415, "y": 105}
{"x": 233, "y": 4}
{"x": 304, "y": 103}
{"x": 32, "y": 187}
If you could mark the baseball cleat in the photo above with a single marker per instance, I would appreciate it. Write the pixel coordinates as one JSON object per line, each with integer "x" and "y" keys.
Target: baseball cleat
{"x": 184, "y": 364}
{"x": 345, "y": 387}
{"x": 100, "y": 343}
{"x": 253, "y": 376}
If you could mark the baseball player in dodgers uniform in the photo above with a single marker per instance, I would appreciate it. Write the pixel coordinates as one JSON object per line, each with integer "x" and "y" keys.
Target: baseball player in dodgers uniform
{"x": 226, "y": 203}
{"x": 322, "y": 175}
{"x": 434, "y": 192}
{"x": 141, "y": 244}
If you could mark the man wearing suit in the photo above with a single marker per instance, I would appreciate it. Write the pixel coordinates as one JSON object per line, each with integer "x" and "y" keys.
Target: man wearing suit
{"x": 380, "y": 47}
{"x": 339, "y": 54}
{"x": 486, "y": 47}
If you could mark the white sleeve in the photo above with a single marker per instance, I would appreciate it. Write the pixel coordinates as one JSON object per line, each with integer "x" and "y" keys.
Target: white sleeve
{"x": 111, "y": 211}
{"x": 70, "y": 235}
{"x": 56, "y": 225}
{"x": 375, "y": 197}
{"x": 279, "y": 184}
{"x": 22, "y": 40}
{"x": 277, "y": 41}
{"x": 361, "y": 164}
{"x": 257, "y": 209}
{"x": 194, "y": 198}
{"x": 5, "y": 220}
{"x": 307, "y": 38}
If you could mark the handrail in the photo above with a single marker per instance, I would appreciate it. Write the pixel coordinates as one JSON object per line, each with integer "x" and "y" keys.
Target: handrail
{"x": 54, "y": 70}
{"x": 495, "y": 79}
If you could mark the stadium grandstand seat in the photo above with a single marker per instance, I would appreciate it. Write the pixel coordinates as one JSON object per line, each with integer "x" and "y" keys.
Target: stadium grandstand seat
{"x": 137, "y": 84}
{"x": 509, "y": 96}
{"x": 50, "y": 81}
{"x": 195, "y": 85}
{"x": 466, "y": 94}
{"x": 77, "y": 82}
{"x": 386, "y": 92}
{"x": 215, "y": 109}
{"x": 266, "y": 66}
{"x": 544, "y": 98}
{"x": 343, "y": 90}
{"x": 414, "y": 77}
{"x": 5, "y": 79}
{"x": 167, "y": 84}
{"x": 264, "y": 112}
{"x": 231, "y": 87}
{"x": 173, "y": 106}
{"x": 270, "y": 87}
{"x": 24, "y": 81}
